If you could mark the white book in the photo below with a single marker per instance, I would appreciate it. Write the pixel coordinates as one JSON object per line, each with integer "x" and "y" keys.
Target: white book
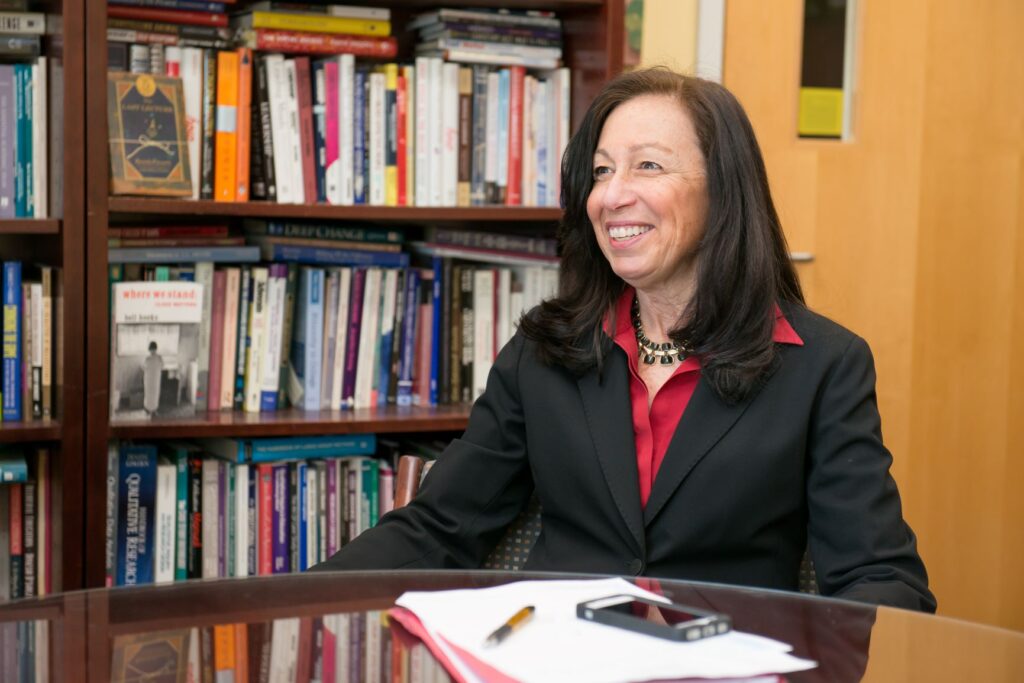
{"x": 449, "y": 134}
{"x": 373, "y": 636}
{"x": 483, "y": 328}
{"x": 40, "y": 137}
{"x": 241, "y": 521}
{"x": 387, "y": 321}
{"x": 209, "y": 527}
{"x": 284, "y": 649}
{"x": 293, "y": 137}
{"x": 376, "y": 122}
{"x": 233, "y": 283}
{"x": 166, "y": 517}
{"x": 312, "y": 516}
{"x": 491, "y": 158}
{"x": 346, "y": 78}
{"x": 340, "y": 335}
{"x": 204, "y": 277}
{"x": 270, "y": 368}
{"x": 435, "y": 132}
{"x": 367, "y": 338}
{"x": 172, "y": 61}
{"x": 287, "y": 178}
{"x": 330, "y": 331}
{"x": 421, "y": 107}
{"x": 191, "y": 71}
{"x": 257, "y": 339}
{"x": 505, "y": 322}
{"x": 353, "y": 12}
{"x": 42, "y": 649}
{"x": 528, "y": 172}
{"x": 342, "y": 648}
{"x": 562, "y": 126}
{"x": 545, "y": 124}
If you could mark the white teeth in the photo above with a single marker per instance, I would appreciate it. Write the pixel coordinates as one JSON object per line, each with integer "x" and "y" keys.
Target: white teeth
{"x": 622, "y": 232}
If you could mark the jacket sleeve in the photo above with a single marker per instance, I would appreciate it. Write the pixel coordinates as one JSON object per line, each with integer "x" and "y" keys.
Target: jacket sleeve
{"x": 471, "y": 494}
{"x": 861, "y": 546}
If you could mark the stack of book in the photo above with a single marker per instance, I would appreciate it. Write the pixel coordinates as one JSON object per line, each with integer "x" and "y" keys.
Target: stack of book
{"x": 334, "y": 317}
{"x": 480, "y": 36}
{"x": 26, "y": 524}
{"x": 32, "y": 340}
{"x": 146, "y": 36}
{"x": 301, "y": 129}
{"x": 24, "y": 97}
{"x": 233, "y": 507}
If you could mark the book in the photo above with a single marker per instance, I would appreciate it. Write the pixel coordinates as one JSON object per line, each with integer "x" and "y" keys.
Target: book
{"x": 137, "y": 473}
{"x": 148, "y": 141}
{"x": 301, "y": 42}
{"x": 154, "y": 365}
{"x": 313, "y": 24}
{"x": 479, "y": 239}
{"x": 135, "y": 656}
{"x": 171, "y": 16}
{"x": 325, "y": 231}
{"x": 225, "y": 183}
{"x": 12, "y": 341}
{"x": 305, "y": 352}
{"x": 165, "y": 537}
{"x": 246, "y": 254}
{"x": 273, "y": 251}
{"x": 13, "y": 468}
{"x": 23, "y": 22}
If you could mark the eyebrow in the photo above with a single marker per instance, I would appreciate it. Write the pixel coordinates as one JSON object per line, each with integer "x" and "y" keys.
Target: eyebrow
{"x": 637, "y": 147}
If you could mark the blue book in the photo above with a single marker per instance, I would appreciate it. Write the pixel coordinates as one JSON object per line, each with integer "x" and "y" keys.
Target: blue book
{"x": 245, "y": 254}
{"x": 302, "y": 518}
{"x": 319, "y": 88}
{"x": 23, "y": 137}
{"x": 504, "y": 86}
{"x": 307, "y": 338}
{"x": 12, "y": 341}
{"x": 291, "y": 447}
{"x": 408, "y": 351}
{"x": 323, "y": 256}
{"x": 359, "y": 156}
{"x": 13, "y": 468}
{"x": 435, "y": 334}
{"x": 326, "y": 231}
{"x": 192, "y": 5}
{"x": 136, "y": 474}
{"x": 281, "y": 516}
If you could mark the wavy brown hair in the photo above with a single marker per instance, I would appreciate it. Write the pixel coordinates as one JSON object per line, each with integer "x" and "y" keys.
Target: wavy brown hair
{"x": 743, "y": 265}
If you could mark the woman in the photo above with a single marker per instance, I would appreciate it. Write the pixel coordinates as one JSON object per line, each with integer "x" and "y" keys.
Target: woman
{"x": 677, "y": 409}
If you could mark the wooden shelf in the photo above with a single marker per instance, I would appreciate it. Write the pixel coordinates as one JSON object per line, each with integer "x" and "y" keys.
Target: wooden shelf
{"x": 400, "y": 214}
{"x": 297, "y": 423}
{"x": 32, "y": 430}
{"x": 30, "y": 226}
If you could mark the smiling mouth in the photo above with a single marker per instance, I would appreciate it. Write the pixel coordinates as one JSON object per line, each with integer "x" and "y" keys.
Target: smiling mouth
{"x": 625, "y": 232}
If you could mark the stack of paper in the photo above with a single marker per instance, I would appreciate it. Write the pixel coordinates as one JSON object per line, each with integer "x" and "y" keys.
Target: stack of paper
{"x": 557, "y": 646}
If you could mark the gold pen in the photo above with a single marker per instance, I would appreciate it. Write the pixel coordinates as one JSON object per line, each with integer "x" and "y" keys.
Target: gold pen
{"x": 514, "y": 623}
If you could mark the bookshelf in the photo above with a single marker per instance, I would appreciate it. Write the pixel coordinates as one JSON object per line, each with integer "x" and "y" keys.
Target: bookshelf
{"x": 58, "y": 241}
{"x": 593, "y": 36}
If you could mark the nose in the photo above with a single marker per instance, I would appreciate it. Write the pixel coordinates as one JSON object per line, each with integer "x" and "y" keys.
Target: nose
{"x": 617, "y": 191}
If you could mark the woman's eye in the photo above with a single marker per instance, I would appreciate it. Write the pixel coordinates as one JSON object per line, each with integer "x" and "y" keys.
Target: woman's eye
{"x": 649, "y": 166}
{"x": 601, "y": 171}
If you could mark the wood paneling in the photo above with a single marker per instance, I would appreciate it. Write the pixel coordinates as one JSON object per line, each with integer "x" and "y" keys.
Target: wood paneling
{"x": 917, "y": 226}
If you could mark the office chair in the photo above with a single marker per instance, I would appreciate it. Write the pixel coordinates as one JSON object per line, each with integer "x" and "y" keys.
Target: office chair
{"x": 514, "y": 547}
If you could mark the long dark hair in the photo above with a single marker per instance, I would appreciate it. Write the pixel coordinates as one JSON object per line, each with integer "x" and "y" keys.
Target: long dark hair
{"x": 743, "y": 266}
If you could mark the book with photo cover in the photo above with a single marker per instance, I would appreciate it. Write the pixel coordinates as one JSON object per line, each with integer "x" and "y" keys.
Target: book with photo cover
{"x": 154, "y": 349}
{"x": 155, "y": 656}
{"x": 148, "y": 144}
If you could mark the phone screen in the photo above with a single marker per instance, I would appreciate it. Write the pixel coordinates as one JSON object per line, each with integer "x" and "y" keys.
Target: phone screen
{"x": 654, "y": 613}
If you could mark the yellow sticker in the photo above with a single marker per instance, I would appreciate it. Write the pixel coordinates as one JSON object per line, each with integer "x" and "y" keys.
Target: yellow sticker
{"x": 145, "y": 85}
{"x": 821, "y": 112}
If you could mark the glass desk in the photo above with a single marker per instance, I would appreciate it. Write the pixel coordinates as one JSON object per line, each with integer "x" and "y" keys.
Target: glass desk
{"x": 850, "y": 641}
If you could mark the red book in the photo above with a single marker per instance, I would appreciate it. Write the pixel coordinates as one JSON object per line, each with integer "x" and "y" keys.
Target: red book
{"x": 216, "y": 339}
{"x": 402, "y": 156}
{"x": 514, "y": 191}
{"x": 304, "y": 92}
{"x": 172, "y": 16}
{"x": 265, "y": 519}
{"x": 297, "y": 42}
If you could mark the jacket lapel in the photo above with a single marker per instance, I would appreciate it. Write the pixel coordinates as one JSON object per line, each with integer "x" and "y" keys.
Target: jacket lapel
{"x": 705, "y": 421}
{"x": 610, "y": 419}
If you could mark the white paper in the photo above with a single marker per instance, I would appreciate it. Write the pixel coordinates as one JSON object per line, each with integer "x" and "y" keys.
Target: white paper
{"x": 557, "y": 646}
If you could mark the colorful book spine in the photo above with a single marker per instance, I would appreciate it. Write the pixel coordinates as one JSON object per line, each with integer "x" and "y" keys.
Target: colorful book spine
{"x": 307, "y": 148}
{"x": 316, "y": 24}
{"x": 8, "y": 138}
{"x": 514, "y": 192}
{"x": 352, "y": 340}
{"x": 319, "y": 86}
{"x": 170, "y": 16}
{"x": 208, "y": 111}
{"x": 184, "y": 255}
{"x": 193, "y": 5}
{"x": 302, "y": 42}
{"x": 333, "y": 257}
{"x": 331, "y": 162}
{"x": 23, "y": 137}
{"x": 12, "y": 341}
{"x": 391, "y": 129}
{"x": 360, "y": 195}
{"x": 281, "y": 519}
{"x": 406, "y": 359}
{"x": 218, "y": 330}
{"x": 226, "y": 136}
{"x": 244, "y": 124}
{"x": 136, "y": 514}
{"x": 242, "y": 349}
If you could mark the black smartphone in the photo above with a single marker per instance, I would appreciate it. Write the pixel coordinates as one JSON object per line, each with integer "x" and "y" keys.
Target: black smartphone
{"x": 660, "y": 619}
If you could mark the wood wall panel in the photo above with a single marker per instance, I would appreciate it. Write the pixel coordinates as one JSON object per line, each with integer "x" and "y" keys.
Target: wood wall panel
{"x": 917, "y": 226}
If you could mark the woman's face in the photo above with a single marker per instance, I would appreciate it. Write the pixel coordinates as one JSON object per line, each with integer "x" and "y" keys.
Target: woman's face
{"x": 649, "y": 200}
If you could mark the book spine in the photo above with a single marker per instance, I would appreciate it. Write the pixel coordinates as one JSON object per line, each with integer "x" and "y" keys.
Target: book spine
{"x": 166, "y": 507}
{"x": 346, "y": 122}
{"x": 406, "y": 365}
{"x": 319, "y": 85}
{"x": 17, "y": 559}
{"x": 279, "y": 87}
{"x": 422, "y": 145}
{"x": 193, "y": 5}
{"x": 37, "y": 350}
{"x": 467, "y": 333}
{"x": 39, "y": 198}
{"x": 359, "y": 128}
{"x": 313, "y": 332}
{"x": 218, "y": 329}
{"x": 304, "y": 95}
{"x": 242, "y": 349}
{"x": 513, "y": 196}
{"x": 331, "y": 162}
{"x": 334, "y": 257}
{"x": 465, "y": 136}
{"x": 226, "y": 128}
{"x": 493, "y": 88}
{"x": 12, "y": 359}
{"x": 23, "y": 128}
{"x": 298, "y": 42}
{"x": 352, "y": 338}
{"x": 402, "y": 140}
{"x": 435, "y": 132}
{"x": 171, "y": 16}
{"x": 332, "y": 283}
{"x": 265, "y": 519}
{"x": 266, "y": 136}
{"x": 229, "y": 346}
{"x": 340, "y": 336}
{"x": 257, "y": 339}
{"x": 136, "y": 497}
{"x": 369, "y": 340}
{"x": 210, "y": 497}
{"x": 28, "y": 540}
{"x": 209, "y": 119}
{"x": 504, "y": 110}
{"x": 21, "y": 47}
{"x": 301, "y": 516}
{"x": 391, "y": 129}
{"x": 327, "y": 231}
{"x": 389, "y": 298}
{"x": 377, "y": 139}
{"x": 244, "y": 125}
{"x": 8, "y": 137}
{"x": 181, "y": 519}
{"x": 320, "y": 24}
{"x": 288, "y": 329}
{"x": 271, "y": 369}
{"x": 450, "y": 131}
{"x": 281, "y": 519}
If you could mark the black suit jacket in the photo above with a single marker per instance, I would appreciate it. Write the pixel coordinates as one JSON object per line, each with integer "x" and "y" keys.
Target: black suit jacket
{"x": 741, "y": 492}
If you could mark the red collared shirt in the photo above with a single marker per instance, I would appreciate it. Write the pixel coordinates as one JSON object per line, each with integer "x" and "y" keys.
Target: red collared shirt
{"x": 653, "y": 428}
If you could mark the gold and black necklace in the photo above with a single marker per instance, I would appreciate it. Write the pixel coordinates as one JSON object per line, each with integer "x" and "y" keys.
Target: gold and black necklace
{"x": 665, "y": 352}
